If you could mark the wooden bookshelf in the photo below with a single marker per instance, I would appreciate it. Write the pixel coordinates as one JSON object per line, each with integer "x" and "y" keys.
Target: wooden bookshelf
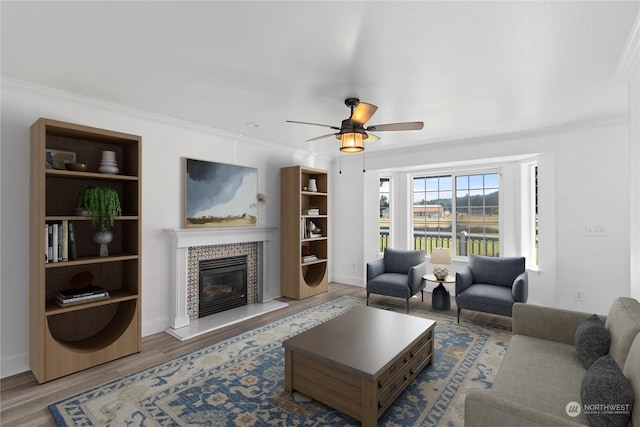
{"x": 64, "y": 340}
{"x": 299, "y": 278}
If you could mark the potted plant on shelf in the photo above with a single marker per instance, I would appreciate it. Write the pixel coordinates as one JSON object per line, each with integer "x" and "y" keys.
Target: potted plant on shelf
{"x": 102, "y": 204}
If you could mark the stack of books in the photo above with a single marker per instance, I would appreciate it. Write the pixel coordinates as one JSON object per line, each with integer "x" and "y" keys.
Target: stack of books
{"x": 79, "y": 296}
{"x": 309, "y": 258}
{"x": 313, "y": 211}
{"x": 59, "y": 241}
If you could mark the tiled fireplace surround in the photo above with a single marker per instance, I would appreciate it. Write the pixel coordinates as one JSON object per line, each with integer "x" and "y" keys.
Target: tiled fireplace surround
{"x": 194, "y": 245}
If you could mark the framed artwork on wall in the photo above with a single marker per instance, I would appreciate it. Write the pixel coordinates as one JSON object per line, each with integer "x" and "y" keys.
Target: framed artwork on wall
{"x": 220, "y": 195}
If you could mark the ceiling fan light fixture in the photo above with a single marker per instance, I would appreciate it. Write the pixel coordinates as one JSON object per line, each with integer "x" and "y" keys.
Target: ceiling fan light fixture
{"x": 351, "y": 143}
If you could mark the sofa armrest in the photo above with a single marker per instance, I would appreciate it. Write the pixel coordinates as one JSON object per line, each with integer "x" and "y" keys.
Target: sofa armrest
{"x": 482, "y": 409}
{"x": 464, "y": 279}
{"x": 548, "y": 323}
{"x": 520, "y": 288}
{"x": 375, "y": 268}
{"x": 416, "y": 274}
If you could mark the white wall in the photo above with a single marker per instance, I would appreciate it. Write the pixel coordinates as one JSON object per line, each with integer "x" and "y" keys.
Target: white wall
{"x": 165, "y": 142}
{"x": 584, "y": 180}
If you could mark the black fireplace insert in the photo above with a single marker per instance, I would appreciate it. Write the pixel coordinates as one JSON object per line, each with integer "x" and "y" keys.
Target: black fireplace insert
{"x": 222, "y": 284}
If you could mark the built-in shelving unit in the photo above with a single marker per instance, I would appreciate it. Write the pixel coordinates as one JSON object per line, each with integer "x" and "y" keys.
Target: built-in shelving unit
{"x": 303, "y": 277}
{"x": 68, "y": 339}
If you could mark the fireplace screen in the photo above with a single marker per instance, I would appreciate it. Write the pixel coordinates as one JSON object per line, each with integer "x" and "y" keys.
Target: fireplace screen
{"x": 222, "y": 284}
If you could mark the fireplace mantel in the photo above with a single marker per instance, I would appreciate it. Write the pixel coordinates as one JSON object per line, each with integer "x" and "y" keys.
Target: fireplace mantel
{"x": 183, "y": 239}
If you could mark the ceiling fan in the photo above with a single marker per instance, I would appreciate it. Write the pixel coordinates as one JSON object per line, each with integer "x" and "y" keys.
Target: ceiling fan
{"x": 352, "y": 133}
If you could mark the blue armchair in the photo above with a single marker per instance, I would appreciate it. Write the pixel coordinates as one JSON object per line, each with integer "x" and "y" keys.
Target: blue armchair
{"x": 492, "y": 285}
{"x": 398, "y": 274}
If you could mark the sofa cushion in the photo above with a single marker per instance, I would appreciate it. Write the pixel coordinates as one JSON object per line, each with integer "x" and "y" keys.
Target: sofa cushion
{"x": 606, "y": 394}
{"x": 623, "y": 323}
{"x": 542, "y": 375}
{"x": 400, "y": 261}
{"x": 592, "y": 340}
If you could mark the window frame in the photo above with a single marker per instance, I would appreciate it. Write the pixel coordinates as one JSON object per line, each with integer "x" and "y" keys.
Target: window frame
{"x": 530, "y": 208}
{"x": 390, "y": 180}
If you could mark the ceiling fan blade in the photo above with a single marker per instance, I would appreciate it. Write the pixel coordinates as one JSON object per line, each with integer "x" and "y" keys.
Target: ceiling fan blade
{"x": 314, "y": 124}
{"x": 363, "y": 112}
{"x": 396, "y": 126}
{"x": 371, "y": 138}
{"x": 321, "y": 137}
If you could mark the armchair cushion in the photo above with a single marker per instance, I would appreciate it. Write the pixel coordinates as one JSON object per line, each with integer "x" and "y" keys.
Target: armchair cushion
{"x": 487, "y": 298}
{"x": 400, "y": 261}
{"x": 390, "y": 284}
{"x": 496, "y": 271}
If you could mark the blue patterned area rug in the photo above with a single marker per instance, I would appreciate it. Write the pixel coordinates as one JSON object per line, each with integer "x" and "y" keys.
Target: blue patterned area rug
{"x": 240, "y": 381}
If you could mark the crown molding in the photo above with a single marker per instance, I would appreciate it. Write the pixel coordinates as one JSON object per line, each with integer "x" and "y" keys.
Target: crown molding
{"x": 29, "y": 88}
{"x": 630, "y": 57}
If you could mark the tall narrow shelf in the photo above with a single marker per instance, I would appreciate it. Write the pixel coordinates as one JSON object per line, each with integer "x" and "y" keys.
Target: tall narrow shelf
{"x": 64, "y": 340}
{"x": 302, "y": 278}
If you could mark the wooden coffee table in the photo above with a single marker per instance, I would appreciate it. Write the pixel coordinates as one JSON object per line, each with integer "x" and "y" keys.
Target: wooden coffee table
{"x": 359, "y": 362}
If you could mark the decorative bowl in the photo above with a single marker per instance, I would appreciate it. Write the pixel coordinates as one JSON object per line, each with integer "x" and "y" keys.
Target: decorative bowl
{"x": 78, "y": 167}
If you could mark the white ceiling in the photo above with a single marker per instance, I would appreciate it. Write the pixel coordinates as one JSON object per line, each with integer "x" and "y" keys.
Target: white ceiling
{"x": 464, "y": 68}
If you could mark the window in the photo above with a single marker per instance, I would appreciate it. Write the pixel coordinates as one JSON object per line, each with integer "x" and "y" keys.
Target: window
{"x": 385, "y": 213}
{"x": 472, "y": 216}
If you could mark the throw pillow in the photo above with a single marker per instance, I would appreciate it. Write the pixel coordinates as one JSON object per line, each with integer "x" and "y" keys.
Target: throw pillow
{"x": 606, "y": 394}
{"x": 592, "y": 340}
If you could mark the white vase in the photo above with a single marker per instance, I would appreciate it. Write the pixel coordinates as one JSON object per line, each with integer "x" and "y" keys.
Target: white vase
{"x": 312, "y": 185}
{"x": 103, "y": 238}
{"x": 108, "y": 169}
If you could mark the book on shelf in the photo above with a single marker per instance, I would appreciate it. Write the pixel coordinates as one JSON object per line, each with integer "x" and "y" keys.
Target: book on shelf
{"x": 91, "y": 291}
{"x": 309, "y": 258}
{"x": 84, "y": 300}
{"x": 60, "y": 242}
{"x": 313, "y": 211}
{"x": 72, "y": 242}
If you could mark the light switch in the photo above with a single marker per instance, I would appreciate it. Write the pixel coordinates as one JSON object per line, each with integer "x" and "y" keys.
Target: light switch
{"x": 595, "y": 230}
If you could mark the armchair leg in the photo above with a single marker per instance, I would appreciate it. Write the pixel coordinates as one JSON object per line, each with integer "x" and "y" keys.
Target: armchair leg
{"x": 407, "y": 305}
{"x": 422, "y": 294}
{"x": 367, "y": 298}
{"x": 459, "y": 310}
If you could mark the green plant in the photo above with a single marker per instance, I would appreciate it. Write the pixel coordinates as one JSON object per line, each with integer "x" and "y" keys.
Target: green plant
{"x": 102, "y": 205}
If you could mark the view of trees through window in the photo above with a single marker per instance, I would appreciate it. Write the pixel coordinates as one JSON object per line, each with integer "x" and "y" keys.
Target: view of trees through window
{"x": 468, "y": 223}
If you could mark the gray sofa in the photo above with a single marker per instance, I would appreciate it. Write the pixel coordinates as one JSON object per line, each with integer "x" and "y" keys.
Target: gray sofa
{"x": 542, "y": 372}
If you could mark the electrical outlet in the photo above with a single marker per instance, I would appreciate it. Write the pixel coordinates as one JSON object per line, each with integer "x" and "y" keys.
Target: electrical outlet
{"x": 594, "y": 230}
{"x": 579, "y": 295}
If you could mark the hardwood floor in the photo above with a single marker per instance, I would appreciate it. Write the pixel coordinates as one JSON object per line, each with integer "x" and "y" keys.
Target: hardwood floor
{"x": 24, "y": 402}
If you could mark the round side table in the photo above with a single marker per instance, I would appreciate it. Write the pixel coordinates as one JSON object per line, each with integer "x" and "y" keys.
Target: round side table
{"x": 440, "y": 297}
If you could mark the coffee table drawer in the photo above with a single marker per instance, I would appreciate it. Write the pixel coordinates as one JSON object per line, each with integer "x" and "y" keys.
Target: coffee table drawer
{"x": 398, "y": 366}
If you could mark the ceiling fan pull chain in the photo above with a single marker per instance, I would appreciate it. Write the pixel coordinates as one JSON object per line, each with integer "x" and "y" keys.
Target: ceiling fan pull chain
{"x": 364, "y": 161}
{"x": 340, "y": 172}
